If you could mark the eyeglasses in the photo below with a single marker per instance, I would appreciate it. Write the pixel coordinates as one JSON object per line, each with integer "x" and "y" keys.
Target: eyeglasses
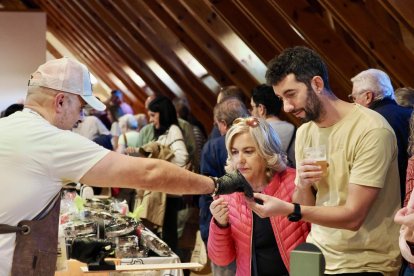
{"x": 351, "y": 98}
{"x": 250, "y": 121}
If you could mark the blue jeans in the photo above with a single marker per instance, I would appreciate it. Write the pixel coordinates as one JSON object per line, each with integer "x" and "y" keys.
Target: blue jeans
{"x": 229, "y": 270}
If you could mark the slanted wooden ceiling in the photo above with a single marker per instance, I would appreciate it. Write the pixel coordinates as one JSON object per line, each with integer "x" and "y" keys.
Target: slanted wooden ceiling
{"x": 110, "y": 35}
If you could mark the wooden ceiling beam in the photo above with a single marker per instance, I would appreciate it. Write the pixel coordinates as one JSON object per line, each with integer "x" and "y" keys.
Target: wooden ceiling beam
{"x": 134, "y": 59}
{"x": 264, "y": 46}
{"x": 162, "y": 52}
{"x": 96, "y": 38}
{"x": 71, "y": 44}
{"x": 402, "y": 11}
{"x": 52, "y": 50}
{"x": 385, "y": 46}
{"x": 302, "y": 16}
{"x": 139, "y": 31}
{"x": 99, "y": 62}
{"x": 162, "y": 19}
{"x": 123, "y": 54}
{"x": 211, "y": 46}
{"x": 68, "y": 37}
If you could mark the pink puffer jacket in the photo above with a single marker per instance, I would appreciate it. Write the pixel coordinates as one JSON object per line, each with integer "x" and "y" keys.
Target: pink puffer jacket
{"x": 234, "y": 242}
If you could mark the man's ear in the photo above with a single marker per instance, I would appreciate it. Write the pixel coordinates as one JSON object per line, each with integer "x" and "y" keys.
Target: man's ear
{"x": 59, "y": 101}
{"x": 317, "y": 84}
{"x": 262, "y": 109}
{"x": 369, "y": 97}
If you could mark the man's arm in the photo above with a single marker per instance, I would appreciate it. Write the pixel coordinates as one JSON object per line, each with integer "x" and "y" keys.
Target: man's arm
{"x": 146, "y": 173}
{"x": 349, "y": 216}
{"x": 304, "y": 195}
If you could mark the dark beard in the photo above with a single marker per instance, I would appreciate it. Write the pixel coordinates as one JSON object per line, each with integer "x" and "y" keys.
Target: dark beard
{"x": 314, "y": 108}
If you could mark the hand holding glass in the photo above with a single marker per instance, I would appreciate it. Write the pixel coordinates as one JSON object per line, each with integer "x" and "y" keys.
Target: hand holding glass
{"x": 317, "y": 154}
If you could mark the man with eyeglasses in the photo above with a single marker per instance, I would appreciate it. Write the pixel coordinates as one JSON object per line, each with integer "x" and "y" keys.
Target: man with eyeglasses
{"x": 372, "y": 88}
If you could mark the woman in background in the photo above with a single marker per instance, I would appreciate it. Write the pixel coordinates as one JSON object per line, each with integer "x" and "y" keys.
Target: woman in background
{"x": 259, "y": 246}
{"x": 405, "y": 216}
{"x": 161, "y": 210}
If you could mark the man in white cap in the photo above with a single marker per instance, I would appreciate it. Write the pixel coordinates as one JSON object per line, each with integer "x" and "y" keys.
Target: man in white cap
{"x": 39, "y": 154}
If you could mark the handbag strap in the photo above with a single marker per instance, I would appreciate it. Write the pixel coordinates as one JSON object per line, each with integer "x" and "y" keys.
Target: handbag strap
{"x": 125, "y": 140}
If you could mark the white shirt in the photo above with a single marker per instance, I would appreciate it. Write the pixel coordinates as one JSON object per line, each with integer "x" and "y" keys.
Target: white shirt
{"x": 91, "y": 127}
{"x": 173, "y": 137}
{"x": 36, "y": 159}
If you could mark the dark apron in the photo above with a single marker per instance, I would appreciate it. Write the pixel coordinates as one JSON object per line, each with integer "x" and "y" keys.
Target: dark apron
{"x": 35, "y": 250}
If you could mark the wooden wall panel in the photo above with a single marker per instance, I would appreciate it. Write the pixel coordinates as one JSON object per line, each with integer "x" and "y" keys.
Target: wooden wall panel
{"x": 109, "y": 35}
{"x": 195, "y": 90}
{"x": 384, "y": 45}
{"x": 211, "y": 46}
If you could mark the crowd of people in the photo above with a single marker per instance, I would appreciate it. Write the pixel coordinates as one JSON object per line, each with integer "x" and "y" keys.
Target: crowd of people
{"x": 259, "y": 193}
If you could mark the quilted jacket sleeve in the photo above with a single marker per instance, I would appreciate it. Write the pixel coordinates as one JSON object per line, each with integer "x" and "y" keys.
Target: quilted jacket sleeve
{"x": 220, "y": 246}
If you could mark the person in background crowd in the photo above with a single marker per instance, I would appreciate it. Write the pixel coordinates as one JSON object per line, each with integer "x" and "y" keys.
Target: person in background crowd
{"x": 115, "y": 130}
{"x": 266, "y": 105}
{"x": 11, "y": 109}
{"x": 142, "y": 120}
{"x": 231, "y": 91}
{"x": 404, "y": 215}
{"x": 49, "y": 156}
{"x": 163, "y": 118}
{"x": 404, "y": 96}
{"x": 117, "y": 102}
{"x": 352, "y": 203}
{"x": 255, "y": 150}
{"x": 129, "y": 137}
{"x": 184, "y": 113}
{"x": 213, "y": 161}
{"x": 372, "y": 88}
{"x": 90, "y": 126}
{"x": 146, "y": 134}
{"x": 226, "y": 92}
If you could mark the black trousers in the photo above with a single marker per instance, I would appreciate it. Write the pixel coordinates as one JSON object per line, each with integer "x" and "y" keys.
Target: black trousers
{"x": 169, "y": 229}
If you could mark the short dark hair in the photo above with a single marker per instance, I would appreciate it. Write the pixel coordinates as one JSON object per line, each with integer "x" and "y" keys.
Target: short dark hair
{"x": 301, "y": 61}
{"x": 264, "y": 94}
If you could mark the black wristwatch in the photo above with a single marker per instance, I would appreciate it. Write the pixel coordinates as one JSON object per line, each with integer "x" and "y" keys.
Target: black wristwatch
{"x": 296, "y": 215}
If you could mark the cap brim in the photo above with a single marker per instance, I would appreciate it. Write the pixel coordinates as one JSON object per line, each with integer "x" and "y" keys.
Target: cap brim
{"x": 94, "y": 103}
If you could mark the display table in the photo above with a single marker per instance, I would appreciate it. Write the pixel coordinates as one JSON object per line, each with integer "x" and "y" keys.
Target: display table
{"x": 151, "y": 266}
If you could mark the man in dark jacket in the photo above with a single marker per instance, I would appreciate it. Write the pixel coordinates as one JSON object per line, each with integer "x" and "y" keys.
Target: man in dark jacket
{"x": 372, "y": 88}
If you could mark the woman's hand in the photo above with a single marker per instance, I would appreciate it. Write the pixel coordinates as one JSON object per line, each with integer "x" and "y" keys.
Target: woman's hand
{"x": 220, "y": 211}
{"x": 405, "y": 216}
{"x": 408, "y": 233}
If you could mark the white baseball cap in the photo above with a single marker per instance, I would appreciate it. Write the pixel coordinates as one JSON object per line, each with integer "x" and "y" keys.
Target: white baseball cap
{"x": 66, "y": 75}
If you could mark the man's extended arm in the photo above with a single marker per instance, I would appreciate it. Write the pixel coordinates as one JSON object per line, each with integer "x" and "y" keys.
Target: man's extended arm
{"x": 146, "y": 173}
{"x": 158, "y": 175}
{"x": 349, "y": 216}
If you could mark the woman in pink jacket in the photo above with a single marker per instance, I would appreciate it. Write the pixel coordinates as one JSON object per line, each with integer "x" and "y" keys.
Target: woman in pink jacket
{"x": 261, "y": 246}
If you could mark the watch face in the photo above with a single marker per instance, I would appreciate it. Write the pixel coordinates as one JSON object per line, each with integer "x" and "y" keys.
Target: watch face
{"x": 296, "y": 215}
